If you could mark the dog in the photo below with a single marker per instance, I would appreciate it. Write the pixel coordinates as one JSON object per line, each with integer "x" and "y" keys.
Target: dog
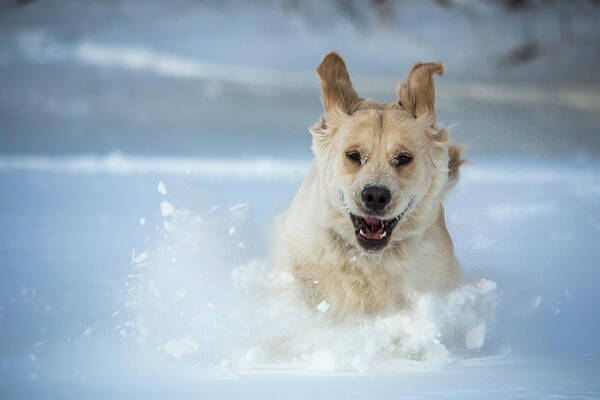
{"x": 366, "y": 231}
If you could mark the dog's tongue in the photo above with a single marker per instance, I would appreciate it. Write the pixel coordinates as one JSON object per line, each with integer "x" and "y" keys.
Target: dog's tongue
{"x": 373, "y": 221}
{"x": 375, "y": 227}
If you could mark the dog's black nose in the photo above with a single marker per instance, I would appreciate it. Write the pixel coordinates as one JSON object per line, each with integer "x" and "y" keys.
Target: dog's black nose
{"x": 376, "y": 197}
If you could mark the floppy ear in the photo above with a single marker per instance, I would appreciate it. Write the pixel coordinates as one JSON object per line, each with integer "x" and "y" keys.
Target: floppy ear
{"x": 454, "y": 162}
{"x": 338, "y": 93}
{"x": 417, "y": 95}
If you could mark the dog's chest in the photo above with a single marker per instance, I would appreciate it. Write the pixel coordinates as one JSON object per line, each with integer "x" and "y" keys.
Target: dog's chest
{"x": 349, "y": 290}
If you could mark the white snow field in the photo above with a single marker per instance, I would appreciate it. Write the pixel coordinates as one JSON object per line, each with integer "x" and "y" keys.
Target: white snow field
{"x": 124, "y": 281}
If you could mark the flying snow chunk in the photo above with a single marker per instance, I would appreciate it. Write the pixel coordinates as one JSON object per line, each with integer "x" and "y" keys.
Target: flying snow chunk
{"x": 162, "y": 189}
{"x": 241, "y": 206}
{"x": 486, "y": 286}
{"x": 476, "y": 336}
{"x": 323, "y": 306}
{"x": 166, "y": 208}
{"x": 232, "y": 231}
{"x": 240, "y": 210}
{"x": 179, "y": 347}
{"x": 142, "y": 221}
{"x": 284, "y": 278}
{"x": 140, "y": 258}
{"x": 169, "y": 226}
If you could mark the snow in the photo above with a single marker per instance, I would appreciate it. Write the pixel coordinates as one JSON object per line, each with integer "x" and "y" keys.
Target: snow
{"x": 178, "y": 348}
{"x": 139, "y": 258}
{"x": 126, "y": 164}
{"x": 504, "y": 213}
{"x": 162, "y": 189}
{"x": 163, "y": 308}
{"x": 169, "y": 226}
{"x": 166, "y": 208}
{"x": 323, "y": 306}
{"x": 162, "y": 299}
{"x": 322, "y": 360}
{"x": 211, "y": 305}
{"x": 475, "y": 338}
{"x": 135, "y": 58}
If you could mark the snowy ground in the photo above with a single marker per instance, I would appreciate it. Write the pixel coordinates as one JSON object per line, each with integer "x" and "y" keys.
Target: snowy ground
{"x": 69, "y": 314}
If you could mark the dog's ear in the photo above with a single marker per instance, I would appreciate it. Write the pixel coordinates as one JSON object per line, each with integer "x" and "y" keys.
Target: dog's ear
{"x": 455, "y": 160}
{"x": 417, "y": 95}
{"x": 338, "y": 93}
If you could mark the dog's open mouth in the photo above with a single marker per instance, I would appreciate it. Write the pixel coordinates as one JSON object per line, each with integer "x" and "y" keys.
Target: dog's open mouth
{"x": 373, "y": 233}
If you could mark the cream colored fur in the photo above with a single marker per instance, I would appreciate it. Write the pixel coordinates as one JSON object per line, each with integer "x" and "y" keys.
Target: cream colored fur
{"x": 316, "y": 237}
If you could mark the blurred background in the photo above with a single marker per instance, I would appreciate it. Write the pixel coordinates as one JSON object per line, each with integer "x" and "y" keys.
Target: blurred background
{"x": 147, "y": 146}
{"x": 229, "y": 78}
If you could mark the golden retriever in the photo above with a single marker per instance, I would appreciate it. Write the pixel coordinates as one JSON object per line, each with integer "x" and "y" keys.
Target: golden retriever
{"x": 366, "y": 230}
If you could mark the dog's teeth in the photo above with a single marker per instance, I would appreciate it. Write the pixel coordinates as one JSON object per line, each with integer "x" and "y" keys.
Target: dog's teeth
{"x": 362, "y": 233}
{"x": 383, "y": 234}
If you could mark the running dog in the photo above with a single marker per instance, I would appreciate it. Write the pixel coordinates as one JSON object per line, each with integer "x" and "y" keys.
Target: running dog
{"x": 366, "y": 230}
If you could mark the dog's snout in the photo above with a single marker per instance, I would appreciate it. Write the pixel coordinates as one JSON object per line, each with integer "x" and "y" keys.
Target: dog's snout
{"x": 376, "y": 197}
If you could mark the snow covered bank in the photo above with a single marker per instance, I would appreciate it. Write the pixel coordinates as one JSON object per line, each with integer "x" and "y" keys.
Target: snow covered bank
{"x": 118, "y": 163}
{"x": 518, "y": 171}
{"x": 39, "y": 47}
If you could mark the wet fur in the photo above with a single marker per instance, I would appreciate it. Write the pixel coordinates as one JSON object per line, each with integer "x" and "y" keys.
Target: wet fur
{"x": 316, "y": 239}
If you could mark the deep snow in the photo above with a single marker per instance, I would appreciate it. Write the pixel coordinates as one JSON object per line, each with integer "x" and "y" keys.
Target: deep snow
{"x": 96, "y": 304}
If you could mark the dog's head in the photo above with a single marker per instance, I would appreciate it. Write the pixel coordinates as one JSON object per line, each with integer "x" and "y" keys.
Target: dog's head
{"x": 384, "y": 168}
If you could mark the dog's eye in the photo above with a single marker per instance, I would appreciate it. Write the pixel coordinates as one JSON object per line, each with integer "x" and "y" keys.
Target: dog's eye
{"x": 402, "y": 159}
{"x": 354, "y": 156}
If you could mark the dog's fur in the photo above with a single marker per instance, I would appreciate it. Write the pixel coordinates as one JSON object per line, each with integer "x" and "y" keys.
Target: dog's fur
{"x": 317, "y": 240}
